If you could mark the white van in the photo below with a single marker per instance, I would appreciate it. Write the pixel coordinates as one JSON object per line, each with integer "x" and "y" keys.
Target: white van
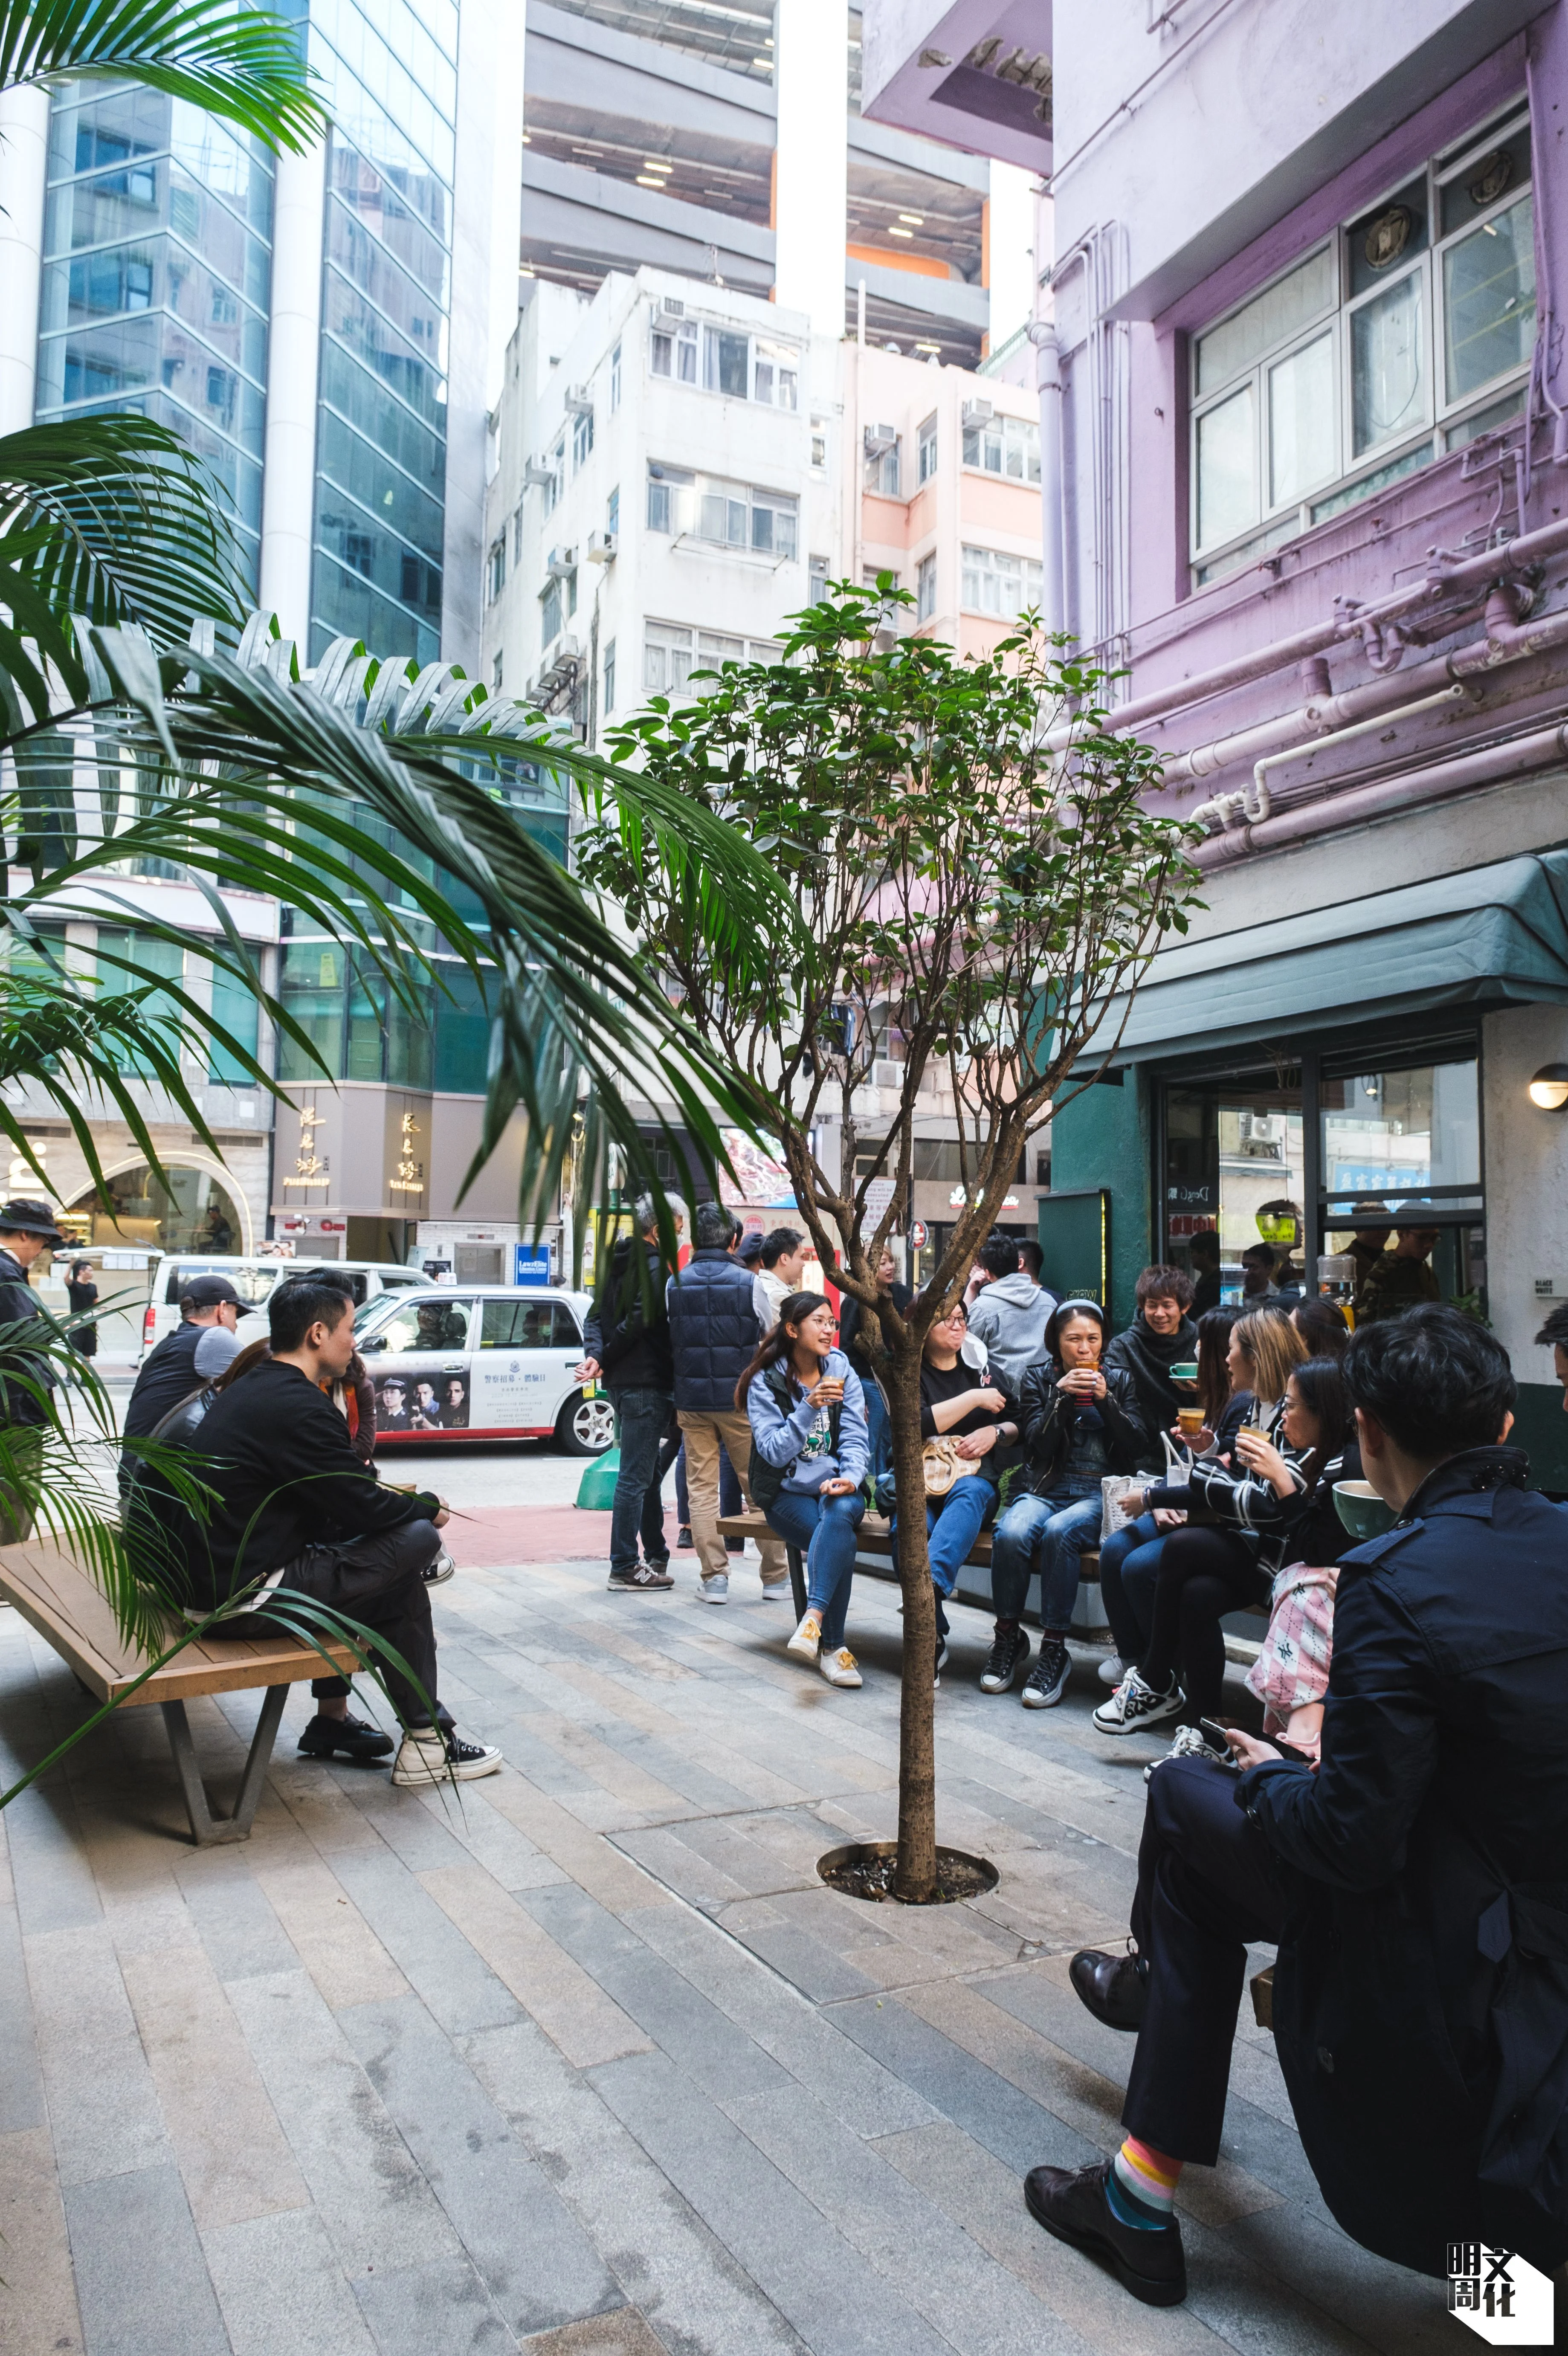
{"x": 481, "y": 1362}
{"x": 255, "y": 1281}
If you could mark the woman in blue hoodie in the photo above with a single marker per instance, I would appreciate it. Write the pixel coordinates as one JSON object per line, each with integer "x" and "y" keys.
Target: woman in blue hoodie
{"x": 809, "y": 1450}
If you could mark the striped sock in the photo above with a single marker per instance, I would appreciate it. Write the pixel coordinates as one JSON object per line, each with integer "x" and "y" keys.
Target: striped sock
{"x": 1141, "y": 2185}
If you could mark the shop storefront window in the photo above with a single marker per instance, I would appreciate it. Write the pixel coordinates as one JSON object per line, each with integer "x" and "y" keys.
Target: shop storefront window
{"x": 1235, "y": 1177}
{"x": 1402, "y": 1150}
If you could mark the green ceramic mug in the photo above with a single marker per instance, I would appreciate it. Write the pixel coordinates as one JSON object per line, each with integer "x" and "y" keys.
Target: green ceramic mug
{"x": 1361, "y": 1510}
{"x": 1185, "y": 1372}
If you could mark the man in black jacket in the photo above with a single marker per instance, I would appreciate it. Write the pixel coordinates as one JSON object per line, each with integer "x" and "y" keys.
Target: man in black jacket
{"x": 27, "y": 1230}
{"x": 294, "y": 1508}
{"x": 1416, "y": 1885}
{"x": 199, "y": 1349}
{"x": 627, "y": 1346}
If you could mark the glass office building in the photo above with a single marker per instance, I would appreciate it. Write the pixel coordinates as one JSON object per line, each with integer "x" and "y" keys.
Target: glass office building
{"x": 390, "y": 75}
{"x": 157, "y": 277}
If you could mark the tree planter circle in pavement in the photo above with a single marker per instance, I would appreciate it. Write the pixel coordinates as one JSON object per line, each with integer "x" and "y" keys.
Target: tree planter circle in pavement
{"x": 865, "y": 1870}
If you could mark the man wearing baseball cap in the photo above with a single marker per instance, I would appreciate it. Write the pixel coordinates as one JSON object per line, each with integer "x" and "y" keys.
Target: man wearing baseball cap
{"x": 196, "y": 1352}
{"x": 27, "y": 1230}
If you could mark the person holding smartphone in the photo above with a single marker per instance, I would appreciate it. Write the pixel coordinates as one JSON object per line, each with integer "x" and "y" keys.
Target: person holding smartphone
{"x": 809, "y": 1450}
{"x": 975, "y": 1407}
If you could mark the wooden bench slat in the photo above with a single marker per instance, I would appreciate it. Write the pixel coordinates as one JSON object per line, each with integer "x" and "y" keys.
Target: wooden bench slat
{"x": 67, "y": 1608}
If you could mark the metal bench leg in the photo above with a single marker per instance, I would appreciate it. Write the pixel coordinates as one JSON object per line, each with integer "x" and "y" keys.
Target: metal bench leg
{"x": 206, "y": 1829}
{"x": 797, "y": 1581}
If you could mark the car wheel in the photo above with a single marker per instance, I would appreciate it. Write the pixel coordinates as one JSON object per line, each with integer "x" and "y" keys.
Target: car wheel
{"x": 585, "y": 1426}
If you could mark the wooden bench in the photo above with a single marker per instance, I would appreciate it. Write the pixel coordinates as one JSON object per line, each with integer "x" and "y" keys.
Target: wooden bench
{"x": 55, "y": 1595}
{"x": 874, "y": 1540}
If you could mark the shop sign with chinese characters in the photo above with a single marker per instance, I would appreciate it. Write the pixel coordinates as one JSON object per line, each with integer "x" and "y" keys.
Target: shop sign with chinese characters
{"x": 1500, "y": 2296}
{"x": 409, "y": 1177}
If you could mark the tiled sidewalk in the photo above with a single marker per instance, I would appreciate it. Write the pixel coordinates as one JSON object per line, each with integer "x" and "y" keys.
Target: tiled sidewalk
{"x": 593, "y": 2062}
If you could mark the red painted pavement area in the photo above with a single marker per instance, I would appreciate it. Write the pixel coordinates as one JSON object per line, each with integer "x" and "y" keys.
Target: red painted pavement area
{"x": 483, "y": 1538}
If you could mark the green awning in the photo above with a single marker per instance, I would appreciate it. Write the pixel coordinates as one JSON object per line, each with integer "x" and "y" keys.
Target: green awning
{"x": 1489, "y": 934}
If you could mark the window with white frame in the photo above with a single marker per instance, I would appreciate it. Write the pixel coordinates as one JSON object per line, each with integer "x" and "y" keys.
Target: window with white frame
{"x": 999, "y": 584}
{"x": 609, "y": 675}
{"x": 926, "y": 588}
{"x": 816, "y": 580}
{"x": 673, "y": 653}
{"x": 614, "y": 380}
{"x": 673, "y": 350}
{"x": 516, "y": 536}
{"x": 776, "y": 374}
{"x": 882, "y": 463}
{"x": 819, "y": 442}
{"x": 552, "y": 613}
{"x": 612, "y": 512}
{"x": 1404, "y": 335}
{"x": 727, "y": 515}
{"x": 497, "y": 568}
{"x": 557, "y": 465}
{"x": 666, "y": 659}
{"x": 581, "y": 437}
{"x": 925, "y": 460}
{"x": 1009, "y": 446}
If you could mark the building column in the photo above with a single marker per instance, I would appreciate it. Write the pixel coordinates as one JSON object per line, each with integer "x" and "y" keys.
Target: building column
{"x": 1011, "y": 276}
{"x": 293, "y": 364}
{"x": 24, "y": 157}
{"x": 811, "y": 79}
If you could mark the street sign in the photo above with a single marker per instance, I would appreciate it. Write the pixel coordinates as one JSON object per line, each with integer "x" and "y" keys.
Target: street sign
{"x": 530, "y": 1264}
{"x": 918, "y": 1236}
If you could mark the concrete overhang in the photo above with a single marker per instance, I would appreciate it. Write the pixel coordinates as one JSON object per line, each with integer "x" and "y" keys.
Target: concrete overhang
{"x": 972, "y": 74}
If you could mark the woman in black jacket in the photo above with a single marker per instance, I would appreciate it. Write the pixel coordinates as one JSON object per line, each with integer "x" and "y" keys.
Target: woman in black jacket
{"x": 1080, "y": 1421}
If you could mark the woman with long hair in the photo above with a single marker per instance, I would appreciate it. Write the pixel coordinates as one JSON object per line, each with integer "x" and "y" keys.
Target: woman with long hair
{"x": 1321, "y": 1324}
{"x": 1253, "y": 1495}
{"x": 809, "y": 1450}
{"x": 974, "y": 1409}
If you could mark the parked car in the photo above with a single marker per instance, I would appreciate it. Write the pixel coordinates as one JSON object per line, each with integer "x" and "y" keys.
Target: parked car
{"x": 481, "y": 1362}
{"x": 255, "y": 1280}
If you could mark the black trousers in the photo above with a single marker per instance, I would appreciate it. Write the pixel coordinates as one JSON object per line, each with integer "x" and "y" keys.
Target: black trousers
{"x": 379, "y": 1582}
{"x": 1203, "y": 1573}
{"x": 1208, "y": 1888}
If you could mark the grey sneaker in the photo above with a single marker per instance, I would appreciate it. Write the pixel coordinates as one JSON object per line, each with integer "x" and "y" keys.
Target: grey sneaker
{"x": 1135, "y": 1706}
{"x": 716, "y": 1589}
{"x": 1048, "y": 1679}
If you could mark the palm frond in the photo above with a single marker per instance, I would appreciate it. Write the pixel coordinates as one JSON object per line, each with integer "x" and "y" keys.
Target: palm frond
{"x": 244, "y": 64}
{"x": 116, "y": 520}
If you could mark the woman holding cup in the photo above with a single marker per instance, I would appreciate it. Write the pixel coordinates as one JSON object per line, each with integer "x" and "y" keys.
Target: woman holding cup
{"x": 809, "y": 1450}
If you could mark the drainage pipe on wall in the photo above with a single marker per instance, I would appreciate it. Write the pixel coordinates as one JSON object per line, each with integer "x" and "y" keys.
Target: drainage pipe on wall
{"x": 1048, "y": 383}
{"x": 1492, "y": 766}
{"x": 1506, "y": 642}
{"x": 1444, "y": 580}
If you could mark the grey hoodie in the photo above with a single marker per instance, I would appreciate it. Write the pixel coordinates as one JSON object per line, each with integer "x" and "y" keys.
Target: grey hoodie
{"x": 1010, "y": 1317}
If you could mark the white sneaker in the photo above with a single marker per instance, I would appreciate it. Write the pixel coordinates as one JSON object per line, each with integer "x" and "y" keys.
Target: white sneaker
{"x": 716, "y": 1589}
{"x": 776, "y": 1591}
{"x": 1135, "y": 1705}
{"x": 1188, "y": 1744}
{"x": 431, "y": 1757}
{"x": 806, "y": 1644}
{"x": 839, "y": 1668}
{"x": 440, "y": 1570}
{"x": 1111, "y": 1671}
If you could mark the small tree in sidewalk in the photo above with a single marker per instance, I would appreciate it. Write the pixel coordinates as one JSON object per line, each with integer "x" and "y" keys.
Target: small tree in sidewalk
{"x": 976, "y": 906}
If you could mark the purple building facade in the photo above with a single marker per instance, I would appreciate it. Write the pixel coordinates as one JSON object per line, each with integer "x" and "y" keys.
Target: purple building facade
{"x": 1308, "y": 315}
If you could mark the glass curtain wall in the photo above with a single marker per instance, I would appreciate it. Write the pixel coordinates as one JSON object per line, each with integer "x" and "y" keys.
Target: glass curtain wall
{"x": 157, "y": 277}
{"x": 389, "y": 68}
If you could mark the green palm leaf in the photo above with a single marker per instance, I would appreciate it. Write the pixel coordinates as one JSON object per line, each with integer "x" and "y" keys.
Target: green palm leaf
{"x": 243, "y": 64}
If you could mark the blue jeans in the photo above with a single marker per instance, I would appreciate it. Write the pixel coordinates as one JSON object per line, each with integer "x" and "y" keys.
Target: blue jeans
{"x": 1061, "y": 1527}
{"x": 643, "y": 1421}
{"x": 953, "y": 1525}
{"x": 1129, "y": 1567}
{"x": 825, "y": 1527}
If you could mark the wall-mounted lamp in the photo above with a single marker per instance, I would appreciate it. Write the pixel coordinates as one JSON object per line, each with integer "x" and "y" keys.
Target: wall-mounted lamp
{"x": 1549, "y": 1089}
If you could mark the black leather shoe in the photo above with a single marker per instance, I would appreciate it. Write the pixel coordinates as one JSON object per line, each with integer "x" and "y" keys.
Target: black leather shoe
{"x": 1071, "y": 2204}
{"x": 1115, "y": 1988}
{"x": 351, "y": 1736}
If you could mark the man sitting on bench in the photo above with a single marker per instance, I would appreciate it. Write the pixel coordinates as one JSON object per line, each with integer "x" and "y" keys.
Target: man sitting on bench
{"x": 297, "y": 1509}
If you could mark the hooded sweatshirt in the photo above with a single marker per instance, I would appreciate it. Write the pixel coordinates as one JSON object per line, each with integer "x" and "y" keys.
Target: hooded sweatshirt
{"x": 1010, "y": 1317}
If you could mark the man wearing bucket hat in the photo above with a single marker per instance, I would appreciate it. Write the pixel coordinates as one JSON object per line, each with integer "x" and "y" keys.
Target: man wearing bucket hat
{"x": 27, "y": 1230}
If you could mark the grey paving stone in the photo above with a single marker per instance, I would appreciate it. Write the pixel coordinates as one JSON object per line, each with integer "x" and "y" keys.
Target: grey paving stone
{"x": 281, "y": 2290}
{"x": 366, "y": 2187}
{"x": 815, "y": 2278}
{"x": 1024, "y": 2133}
{"x": 141, "y": 2280}
{"x": 234, "y": 1919}
{"x": 53, "y": 1880}
{"x": 104, "y": 2112}
{"x": 21, "y": 2081}
{"x": 819, "y": 1971}
{"x": 536, "y": 2262}
{"x": 461, "y": 1991}
{"x": 718, "y": 2056}
{"x": 674, "y": 2269}
{"x": 439, "y": 2307}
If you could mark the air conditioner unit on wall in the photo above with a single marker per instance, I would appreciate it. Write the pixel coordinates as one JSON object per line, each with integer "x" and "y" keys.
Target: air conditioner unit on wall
{"x": 560, "y": 562}
{"x": 601, "y": 547}
{"x": 978, "y": 412}
{"x": 880, "y": 439}
{"x": 887, "y": 1075}
{"x": 579, "y": 398}
{"x": 667, "y": 307}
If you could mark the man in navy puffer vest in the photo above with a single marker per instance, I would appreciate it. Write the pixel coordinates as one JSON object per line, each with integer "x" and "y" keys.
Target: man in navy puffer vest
{"x": 714, "y": 1336}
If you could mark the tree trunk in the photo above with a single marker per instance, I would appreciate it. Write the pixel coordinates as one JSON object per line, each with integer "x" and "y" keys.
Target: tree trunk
{"x": 916, "y": 1875}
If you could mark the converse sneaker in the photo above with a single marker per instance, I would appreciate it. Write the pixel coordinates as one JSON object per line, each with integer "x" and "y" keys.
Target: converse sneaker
{"x": 1111, "y": 1671}
{"x": 429, "y": 1757}
{"x": 1135, "y": 1705}
{"x": 1009, "y": 1654}
{"x": 806, "y": 1643}
{"x": 839, "y": 1668}
{"x": 716, "y": 1589}
{"x": 1047, "y": 1679}
{"x": 440, "y": 1570}
{"x": 350, "y": 1736}
{"x": 641, "y": 1580}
